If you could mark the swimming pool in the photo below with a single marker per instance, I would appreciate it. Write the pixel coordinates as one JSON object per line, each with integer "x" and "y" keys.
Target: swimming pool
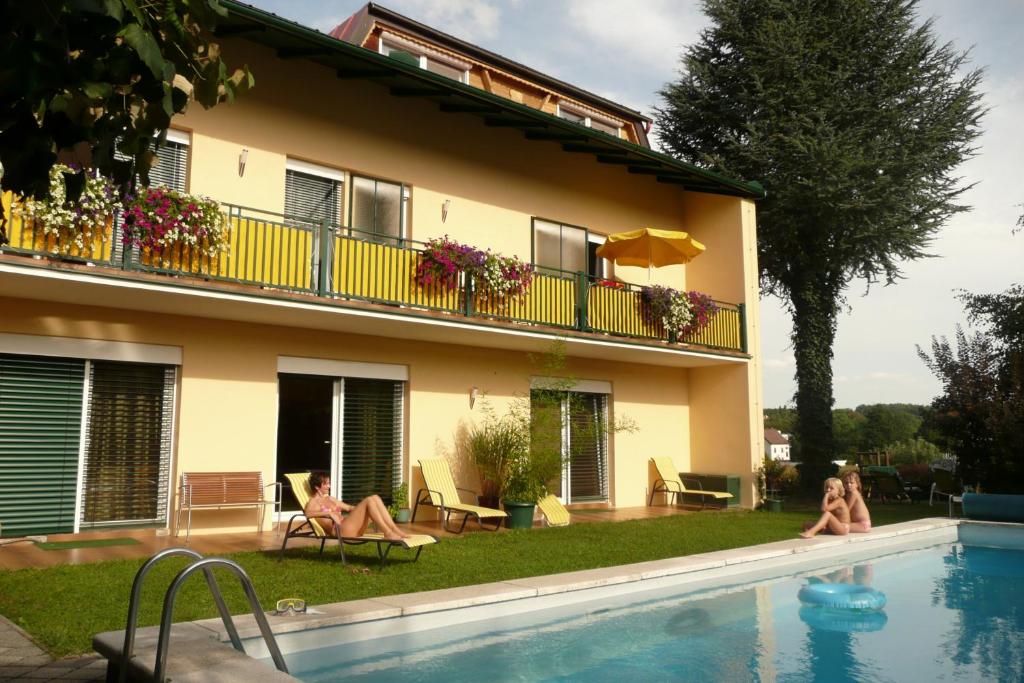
{"x": 955, "y": 612}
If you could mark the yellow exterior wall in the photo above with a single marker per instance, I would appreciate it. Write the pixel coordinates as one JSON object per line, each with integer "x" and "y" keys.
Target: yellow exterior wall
{"x": 727, "y": 434}
{"x": 708, "y": 419}
{"x": 496, "y": 180}
{"x": 228, "y": 393}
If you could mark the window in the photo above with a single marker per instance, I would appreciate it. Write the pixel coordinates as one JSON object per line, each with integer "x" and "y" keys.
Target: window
{"x": 443, "y": 69}
{"x": 559, "y": 247}
{"x": 576, "y": 423}
{"x": 40, "y": 432}
{"x": 349, "y": 426}
{"x": 113, "y": 468}
{"x": 371, "y": 441}
{"x": 596, "y": 266}
{"x": 377, "y": 209}
{"x": 313, "y": 193}
{"x": 597, "y": 122}
{"x": 126, "y": 469}
{"x": 571, "y": 116}
{"x": 428, "y": 58}
{"x": 170, "y": 163}
{"x": 170, "y": 166}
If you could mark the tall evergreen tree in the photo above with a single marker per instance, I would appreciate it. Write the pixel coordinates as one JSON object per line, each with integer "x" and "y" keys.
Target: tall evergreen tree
{"x": 854, "y": 118}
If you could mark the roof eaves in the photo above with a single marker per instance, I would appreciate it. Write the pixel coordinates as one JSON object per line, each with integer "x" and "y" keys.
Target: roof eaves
{"x": 320, "y": 44}
{"x": 499, "y": 60}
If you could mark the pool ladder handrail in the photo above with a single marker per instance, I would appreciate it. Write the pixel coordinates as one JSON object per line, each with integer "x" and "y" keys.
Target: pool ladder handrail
{"x": 167, "y": 613}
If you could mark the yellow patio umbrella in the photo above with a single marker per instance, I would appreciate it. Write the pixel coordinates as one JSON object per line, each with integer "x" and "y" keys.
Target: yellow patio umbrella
{"x": 650, "y": 247}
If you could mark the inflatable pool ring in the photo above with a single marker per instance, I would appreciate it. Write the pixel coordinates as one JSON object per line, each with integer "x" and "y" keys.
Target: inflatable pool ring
{"x": 842, "y": 596}
{"x": 842, "y": 620}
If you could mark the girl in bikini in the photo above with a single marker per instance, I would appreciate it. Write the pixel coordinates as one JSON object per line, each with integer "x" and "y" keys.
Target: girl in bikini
{"x": 835, "y": 515}
{"x": 351, "y": 519}
{"x": 860, "y": 518}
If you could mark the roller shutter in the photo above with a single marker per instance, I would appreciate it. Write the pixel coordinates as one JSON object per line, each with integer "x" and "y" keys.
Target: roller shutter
{"x": 128, "y": 444}
{"x": 40, "y": 432}
{"x": 371, "y": 438}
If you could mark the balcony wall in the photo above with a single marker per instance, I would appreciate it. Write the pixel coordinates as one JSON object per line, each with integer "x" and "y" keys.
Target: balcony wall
{"x": 285, "y": 254}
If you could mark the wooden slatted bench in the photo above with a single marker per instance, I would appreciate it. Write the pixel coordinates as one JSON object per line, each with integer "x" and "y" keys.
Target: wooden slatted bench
{"x": 216, "y": 490}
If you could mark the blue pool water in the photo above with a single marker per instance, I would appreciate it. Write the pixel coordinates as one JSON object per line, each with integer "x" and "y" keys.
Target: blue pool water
{"x": 955, "y": 612}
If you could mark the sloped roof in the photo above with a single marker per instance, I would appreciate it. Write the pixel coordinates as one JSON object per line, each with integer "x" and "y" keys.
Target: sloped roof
{"x": 291, "y": 40}
{"x": 356, "y": 27}
{"x": 775, "y": 437}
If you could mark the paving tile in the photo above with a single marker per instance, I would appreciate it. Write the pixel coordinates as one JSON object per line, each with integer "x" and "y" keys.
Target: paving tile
{"x": 453, "y": 598}
{"x": 9, "y": 672}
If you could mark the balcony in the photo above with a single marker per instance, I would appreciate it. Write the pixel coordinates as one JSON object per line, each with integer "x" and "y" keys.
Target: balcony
{"x": 270, "y": 253}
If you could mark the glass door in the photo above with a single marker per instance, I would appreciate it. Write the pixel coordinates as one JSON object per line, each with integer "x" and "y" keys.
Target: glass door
{"x": 307, "y": 425}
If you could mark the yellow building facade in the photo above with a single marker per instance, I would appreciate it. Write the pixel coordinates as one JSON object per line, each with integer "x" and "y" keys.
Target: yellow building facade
{"x": 281, "y": 352}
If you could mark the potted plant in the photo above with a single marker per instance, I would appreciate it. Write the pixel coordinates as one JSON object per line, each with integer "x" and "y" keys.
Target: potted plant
{"x": 77, "y": 228}
{"x": 171, "y": 228}
{"x": 493, "y": 445}
{"x": 538, "y": 458}
{"x": 399, "y": 508}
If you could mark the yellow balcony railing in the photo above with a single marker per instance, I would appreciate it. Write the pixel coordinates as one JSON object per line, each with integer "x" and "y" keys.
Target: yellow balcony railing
{"x": 276, "y": 251}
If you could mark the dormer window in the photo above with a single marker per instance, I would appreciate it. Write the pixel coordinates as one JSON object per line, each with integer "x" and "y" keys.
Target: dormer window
{"x": 589, "y": 118}
{"x": 429, "y": 58}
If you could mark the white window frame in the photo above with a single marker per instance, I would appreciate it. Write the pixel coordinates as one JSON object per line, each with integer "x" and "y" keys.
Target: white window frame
{"x": 309, "y": 168}
{"x": 393, "y": 42}
{"x": 179, "y": 137}
{"x": 587, "y": 118}
{"x": 338, "y": 370}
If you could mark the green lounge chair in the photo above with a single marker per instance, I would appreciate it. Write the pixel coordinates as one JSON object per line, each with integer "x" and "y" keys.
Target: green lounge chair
{"x": 441, "y": 492}
{"x": 311, "y": 528}
{"x": 669, "y": 482}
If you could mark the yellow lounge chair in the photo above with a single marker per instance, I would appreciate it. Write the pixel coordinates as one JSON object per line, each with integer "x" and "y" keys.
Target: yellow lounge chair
{"x": 669, "y": 481}
{"x": 441, "y": 492}
{"x": 554, "y": 512}
{"x": 310, "y": 528}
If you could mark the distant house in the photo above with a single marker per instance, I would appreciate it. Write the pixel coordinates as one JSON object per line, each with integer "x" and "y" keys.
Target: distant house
{"x": 776, "y": 444}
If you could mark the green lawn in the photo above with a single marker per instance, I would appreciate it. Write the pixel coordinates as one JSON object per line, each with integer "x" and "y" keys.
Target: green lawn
{"x": 62, "y": 607}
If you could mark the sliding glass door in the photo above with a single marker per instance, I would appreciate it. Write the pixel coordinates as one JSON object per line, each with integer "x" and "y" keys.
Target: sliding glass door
{"x": 576, "y": 423}
{"x": 350, "y": 427}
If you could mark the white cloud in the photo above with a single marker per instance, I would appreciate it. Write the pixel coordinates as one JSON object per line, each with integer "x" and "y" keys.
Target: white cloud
{"x": 652, "y": 34}
{"x": 470, "y": 20}
{"x": 778, "y": 363}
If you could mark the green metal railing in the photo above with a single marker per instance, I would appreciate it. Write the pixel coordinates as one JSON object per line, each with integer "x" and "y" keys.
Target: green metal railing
{"x": 292, "y": 253}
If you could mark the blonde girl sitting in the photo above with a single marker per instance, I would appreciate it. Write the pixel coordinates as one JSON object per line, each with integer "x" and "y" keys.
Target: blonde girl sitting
{"x": 835, "y": 515}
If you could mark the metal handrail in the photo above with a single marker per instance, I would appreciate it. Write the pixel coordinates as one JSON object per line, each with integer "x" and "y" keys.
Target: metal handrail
{"x": 257, "y": 611}
{"x": 133, "y": 605}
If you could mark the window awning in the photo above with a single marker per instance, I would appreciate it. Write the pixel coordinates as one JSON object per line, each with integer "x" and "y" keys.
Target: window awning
{"x": 294, "y": 41}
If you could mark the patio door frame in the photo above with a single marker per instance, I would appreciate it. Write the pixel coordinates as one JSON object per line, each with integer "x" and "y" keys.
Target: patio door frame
{"x": 338, "y": 371}
{"x": 600, "y": 387}
{"x": 88, "y": 351}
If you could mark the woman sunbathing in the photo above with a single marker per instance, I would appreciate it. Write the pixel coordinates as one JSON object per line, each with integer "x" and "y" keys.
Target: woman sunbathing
{"x": 351, "y": 519}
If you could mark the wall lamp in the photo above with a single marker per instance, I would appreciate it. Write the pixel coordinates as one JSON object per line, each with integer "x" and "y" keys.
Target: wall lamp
{"x": 242, "y": 158}
{"x": 474, "y": 394}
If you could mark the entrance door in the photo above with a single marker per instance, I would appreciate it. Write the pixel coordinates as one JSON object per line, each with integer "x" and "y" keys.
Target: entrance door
{"x": 306, "y": 425}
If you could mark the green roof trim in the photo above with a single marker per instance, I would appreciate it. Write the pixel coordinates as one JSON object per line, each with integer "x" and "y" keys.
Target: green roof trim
{"x": 293, "y": 40}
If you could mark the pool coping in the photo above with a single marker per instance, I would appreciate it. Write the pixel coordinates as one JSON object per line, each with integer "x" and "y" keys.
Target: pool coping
{"x": 649, "y": 573}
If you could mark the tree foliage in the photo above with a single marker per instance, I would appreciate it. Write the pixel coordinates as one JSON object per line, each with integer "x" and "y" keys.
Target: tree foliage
{"x": 854, "y": 118}
{"x": 886, "y": 424}
{"x": 100, "y": 79}
{"x": 980, "y": 412}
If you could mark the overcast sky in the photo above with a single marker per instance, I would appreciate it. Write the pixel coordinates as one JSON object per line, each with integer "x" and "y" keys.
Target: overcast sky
{"x": 626, "y": 51}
